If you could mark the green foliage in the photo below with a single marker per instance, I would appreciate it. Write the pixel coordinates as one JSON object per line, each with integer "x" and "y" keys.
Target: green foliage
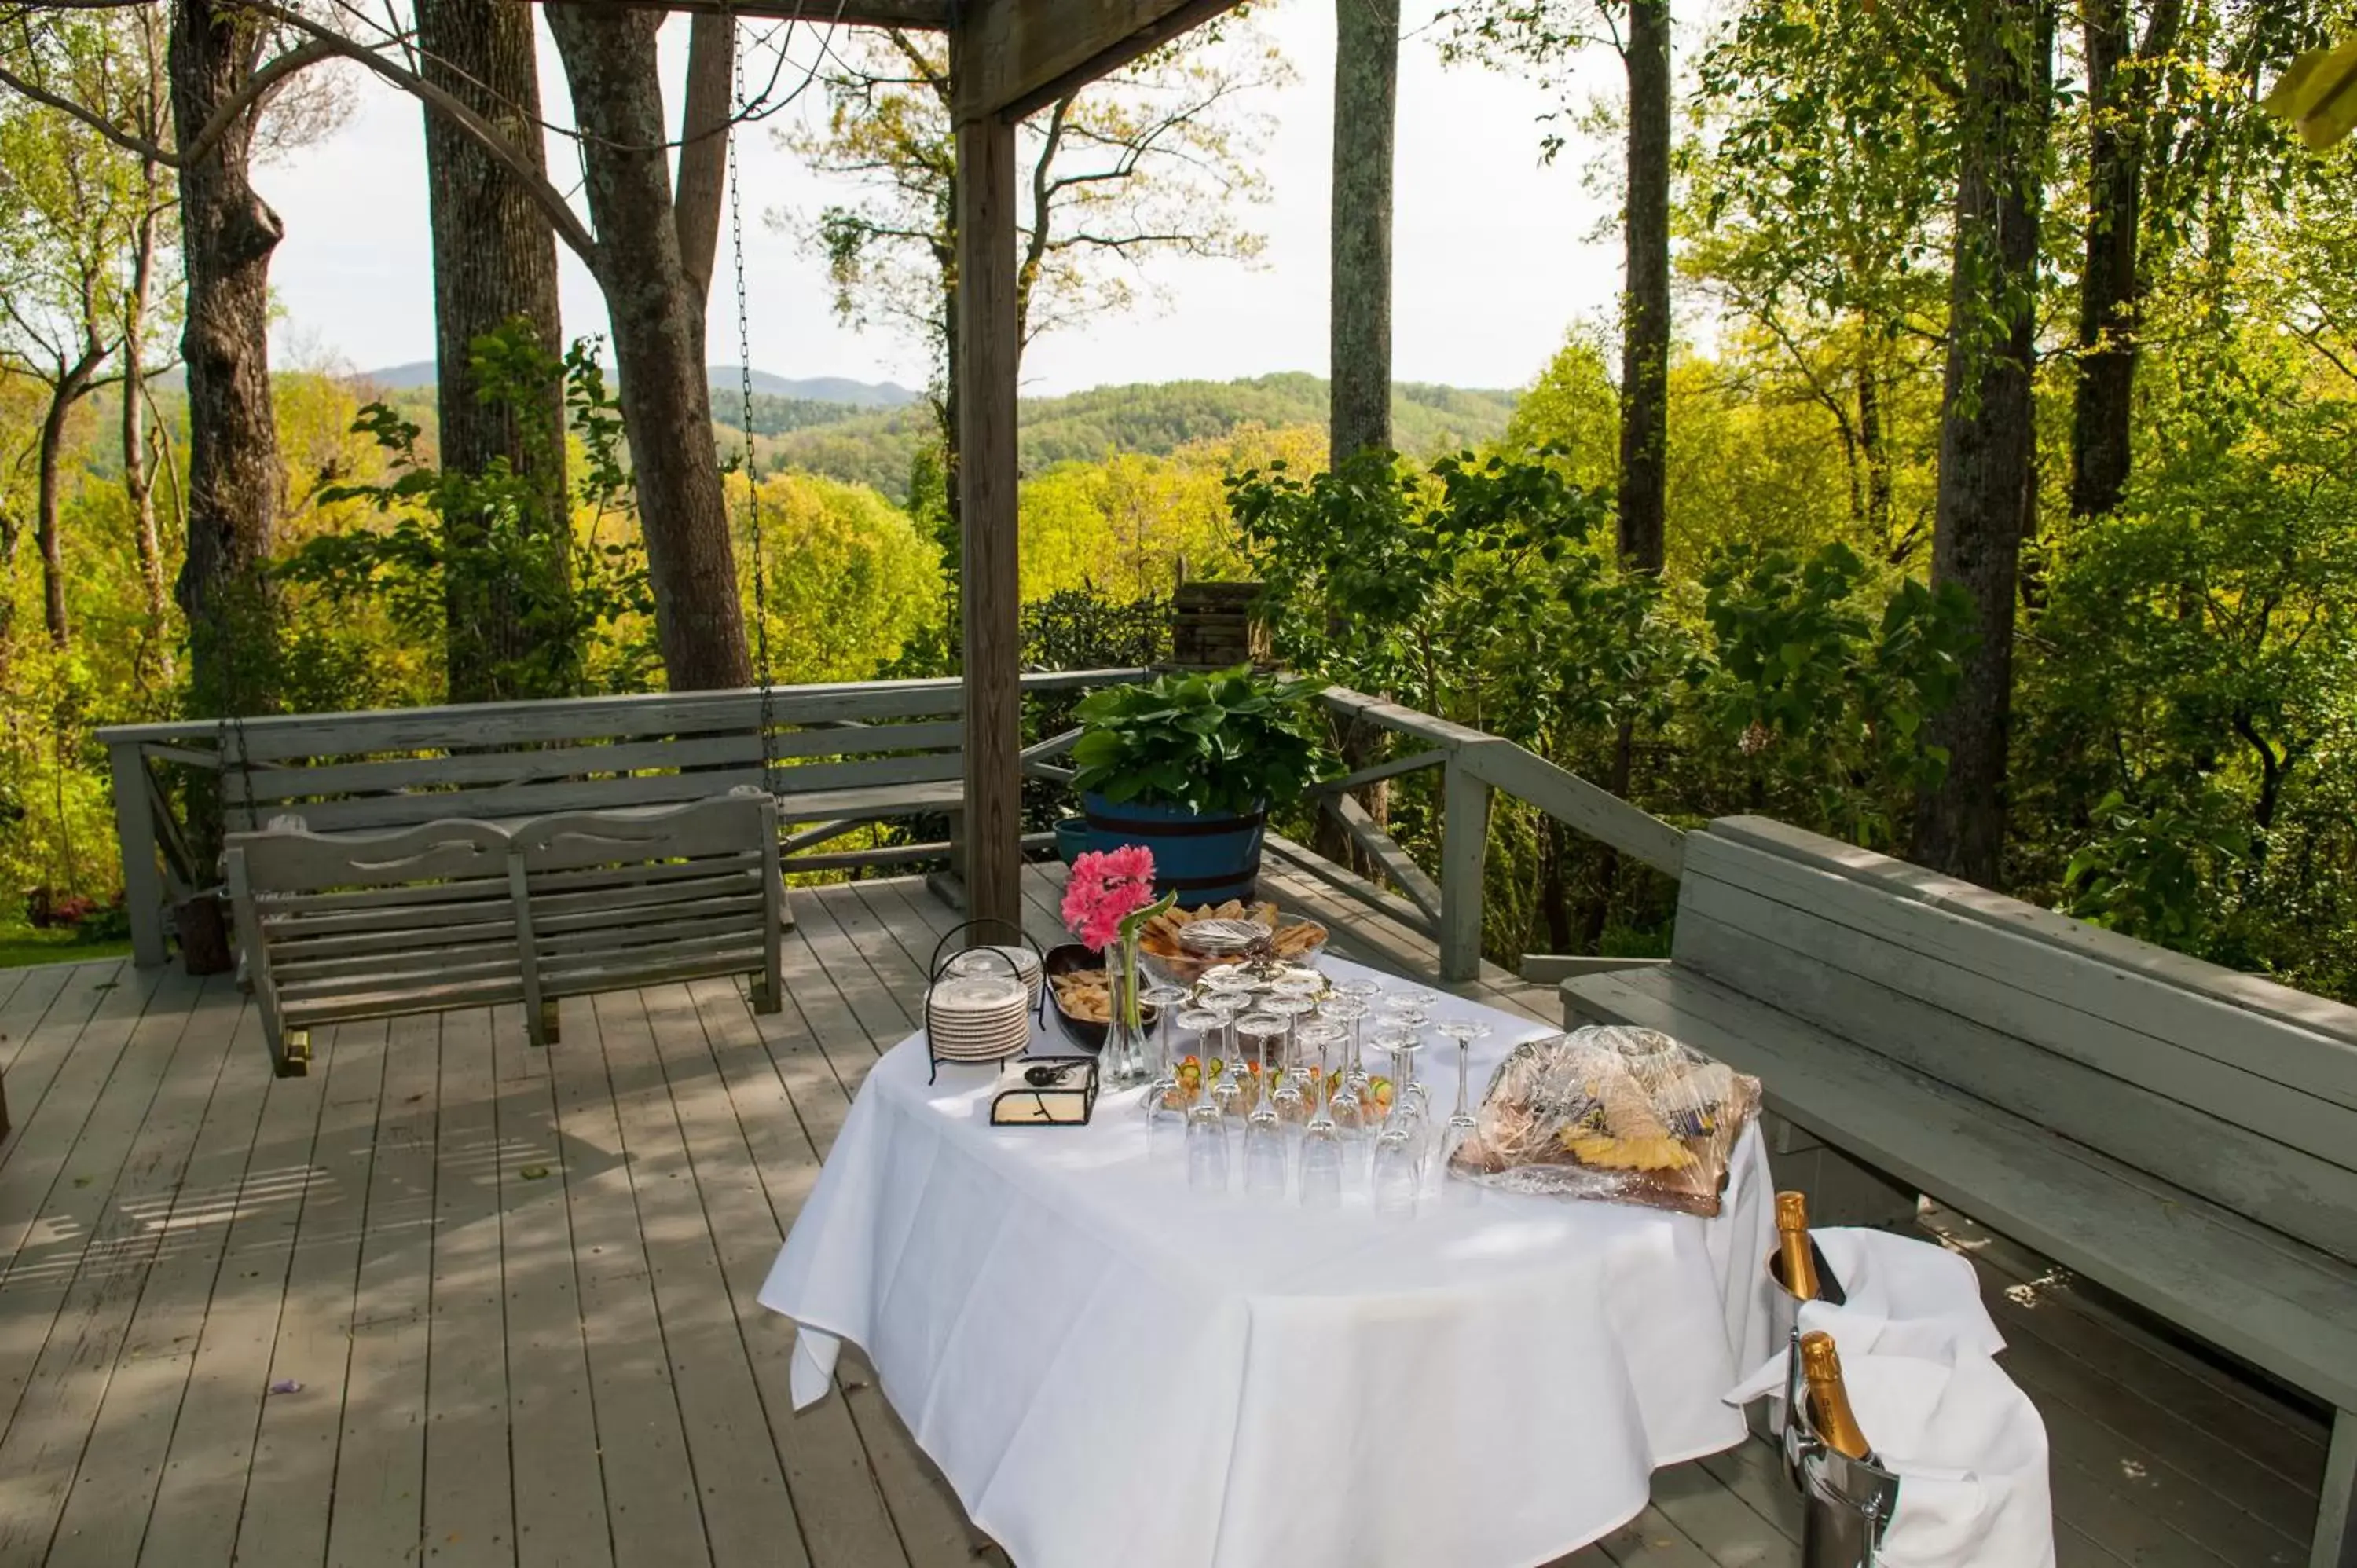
{"x": 1222, "y": 745}
{"x": 491, "y": 529}
{"x": 851, "y": 582}
{"x": 1085, "y": 629}
{"x": 775, "y": 415}
{"x": 2194, "y": 674}
{"x": 2144, "y": 872}
{"x": 1827, "y": 701}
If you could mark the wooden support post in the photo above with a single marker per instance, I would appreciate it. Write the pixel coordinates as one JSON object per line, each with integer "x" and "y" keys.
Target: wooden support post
{"x": 2336, "y": 1515}
{"x": 987, "y": 348}
{"x": 134, "y": 831}
{"x": 1465, "y": 835}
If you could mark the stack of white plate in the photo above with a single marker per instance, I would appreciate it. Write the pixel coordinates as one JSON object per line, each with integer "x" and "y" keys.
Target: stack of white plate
{"x": 1022, "y": 961}
{"x": 978, "y": 1017}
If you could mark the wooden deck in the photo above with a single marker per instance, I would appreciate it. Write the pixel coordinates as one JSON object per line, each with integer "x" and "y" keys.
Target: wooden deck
{"x": 454, "y": 1300}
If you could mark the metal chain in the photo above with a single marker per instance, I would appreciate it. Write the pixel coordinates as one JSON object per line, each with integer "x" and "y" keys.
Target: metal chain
{"x": 744, "y": 407}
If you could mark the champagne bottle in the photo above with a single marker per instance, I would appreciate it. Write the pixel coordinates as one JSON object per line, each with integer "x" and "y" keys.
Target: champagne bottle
{"x": 1799, "y": 1261}
{"x": 1829, "y": 1408}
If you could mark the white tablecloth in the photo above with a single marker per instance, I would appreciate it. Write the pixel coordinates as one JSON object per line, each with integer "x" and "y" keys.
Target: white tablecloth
{"x": 1113, "y": 1370}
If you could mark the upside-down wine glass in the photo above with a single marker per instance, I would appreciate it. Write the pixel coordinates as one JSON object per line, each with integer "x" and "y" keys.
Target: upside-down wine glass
{"x": 1265, "y": 1148}
{"x": 1462, "y": 1123}
{"x": 1324, "y": 1152}
{"x": 1227, "y": 1091}
{"x": 1207, "y": 1127}
{"x": 1398, "y": 1171}
{"x": 1410, "y": 1007}
{"x": 1162, "y": 1104}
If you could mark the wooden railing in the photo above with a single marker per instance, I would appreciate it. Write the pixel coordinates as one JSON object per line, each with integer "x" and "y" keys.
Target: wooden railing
{"x": 365, "y": 770}
{"x": 1473, "y": 764}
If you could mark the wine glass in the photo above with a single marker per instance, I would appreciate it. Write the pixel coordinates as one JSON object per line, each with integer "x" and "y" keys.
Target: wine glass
{"x": 1409, "y": 1008}
{"x": 1461, "y": 1124}
{"x": 1265, "y": 1151}
{"x": 1259, "y": 1037}
{"x": 1170, "y": 1108}
{"x": 1351, "y": 1012}
{"x": 1162, "y": 1102}
{"x": 1207, "y": 1147}
{"x": 1400, "y": 1042}
{"x": 1324, "y": 1147}
{"x": 1291, "y": 1007}
{"x": 1227, "y": 1091}
{"x": 1397, "y": 1177}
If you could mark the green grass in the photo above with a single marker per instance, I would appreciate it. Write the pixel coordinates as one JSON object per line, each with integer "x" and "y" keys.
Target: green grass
{"x": 23, "y": 945}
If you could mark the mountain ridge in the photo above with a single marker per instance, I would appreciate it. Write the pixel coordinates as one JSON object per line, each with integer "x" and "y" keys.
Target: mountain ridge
{"x": 417, "y": 375}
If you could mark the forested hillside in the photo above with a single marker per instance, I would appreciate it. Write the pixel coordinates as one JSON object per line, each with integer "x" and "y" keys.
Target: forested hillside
{"x": 876, "y": 447}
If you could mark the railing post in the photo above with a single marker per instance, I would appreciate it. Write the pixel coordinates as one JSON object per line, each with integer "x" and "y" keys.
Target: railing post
{"x": 134, "y": 832}
{"x": 1465, "y": 835}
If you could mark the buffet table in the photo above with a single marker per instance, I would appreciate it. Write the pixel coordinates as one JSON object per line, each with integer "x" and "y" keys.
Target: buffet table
{"x": 1111, "y": 1369}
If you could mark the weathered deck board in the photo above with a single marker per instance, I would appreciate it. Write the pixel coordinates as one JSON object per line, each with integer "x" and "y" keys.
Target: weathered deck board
{"x": 291, "y": 1484}
{"x": 469, "y": 1493}
{"x": 519, "y": 1287}
{"x": 641, "y": 1444}
{"x": 202, "y": 1495}
{"x": 188, "y": 1128}
{"x": 741, "y": 1485}
{"x": 560, "y": 1494}
{"x": 95, "y": 1291}
{"x": 379, "y": 1496}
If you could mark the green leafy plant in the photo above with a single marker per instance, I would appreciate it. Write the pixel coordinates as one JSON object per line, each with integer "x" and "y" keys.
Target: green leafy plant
{"x": 1819, "y": 696}
{"x": 2145, "y": 872}
{"x": 1221, "y": 745}
{"x": 492, "y": 529}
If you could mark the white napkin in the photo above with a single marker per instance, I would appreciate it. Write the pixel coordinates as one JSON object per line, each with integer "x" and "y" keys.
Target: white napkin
{"x": 1970, "y": 1452}
{"x": 1967, "y": 1445}
{"x": 1902, "y": 1297}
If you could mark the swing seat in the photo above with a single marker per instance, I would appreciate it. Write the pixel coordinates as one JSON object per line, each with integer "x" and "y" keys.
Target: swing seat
{"x": 607, "y": 900}
{"x": 460, "y": 913}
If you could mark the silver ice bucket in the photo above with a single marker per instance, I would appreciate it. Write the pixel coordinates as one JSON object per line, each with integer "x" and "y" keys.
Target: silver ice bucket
{"x": 1845, "y": 1504}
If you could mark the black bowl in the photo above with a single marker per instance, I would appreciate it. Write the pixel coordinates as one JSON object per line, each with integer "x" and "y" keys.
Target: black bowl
{"x": 1087, "y": 1033}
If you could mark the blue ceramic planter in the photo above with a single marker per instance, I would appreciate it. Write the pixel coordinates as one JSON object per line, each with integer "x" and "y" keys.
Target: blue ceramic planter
{"x": 1204, "y": 860}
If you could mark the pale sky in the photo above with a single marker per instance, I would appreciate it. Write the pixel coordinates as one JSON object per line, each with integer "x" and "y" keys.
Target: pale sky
{"x": 1494, "y": 254}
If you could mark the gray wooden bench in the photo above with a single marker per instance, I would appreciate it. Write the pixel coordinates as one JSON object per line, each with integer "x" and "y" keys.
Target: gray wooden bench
{"x": 2183, "y": 1135}
{"x": 337, "y": 927}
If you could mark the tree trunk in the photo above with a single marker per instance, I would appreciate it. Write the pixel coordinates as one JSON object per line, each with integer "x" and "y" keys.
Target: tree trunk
{"x": 138, "y": 482}
{"x": 2119, "y": 92}
{"x": 1874, "y": 447}
{"x": 658, "y": 323}
{"x": 1985, "y": 434}
{"x": 72, "y": 386}
{"x": 494, "y": 260}
{"x": 1645, "y": 309}
{"x": 1366, "y": 97}
{"x": 227, "y": 235}
{"x": 704, "y": 135}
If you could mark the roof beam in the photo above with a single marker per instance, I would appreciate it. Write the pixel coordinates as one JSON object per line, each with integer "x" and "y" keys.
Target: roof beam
{"x": 919, "y": 14}
{"x": 1022, "y": 55}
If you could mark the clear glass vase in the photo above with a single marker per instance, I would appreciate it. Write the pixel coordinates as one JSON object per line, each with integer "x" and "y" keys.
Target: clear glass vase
{"x": 1125, "y": 1060}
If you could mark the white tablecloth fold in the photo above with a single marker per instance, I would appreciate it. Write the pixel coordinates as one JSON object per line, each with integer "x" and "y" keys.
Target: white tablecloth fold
{"x": 1110, "y": 1370}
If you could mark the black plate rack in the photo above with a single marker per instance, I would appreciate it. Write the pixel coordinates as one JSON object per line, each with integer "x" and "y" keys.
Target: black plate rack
{"x": 943, "y": 952}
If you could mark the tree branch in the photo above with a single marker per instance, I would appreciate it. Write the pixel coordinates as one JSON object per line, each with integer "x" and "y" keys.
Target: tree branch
{"x": 535, "y": 184}
{"x": 233, "y": 108}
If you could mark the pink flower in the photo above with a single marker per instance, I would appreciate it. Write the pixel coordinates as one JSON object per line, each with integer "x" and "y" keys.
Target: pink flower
{"x": 1107, "y": 886}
